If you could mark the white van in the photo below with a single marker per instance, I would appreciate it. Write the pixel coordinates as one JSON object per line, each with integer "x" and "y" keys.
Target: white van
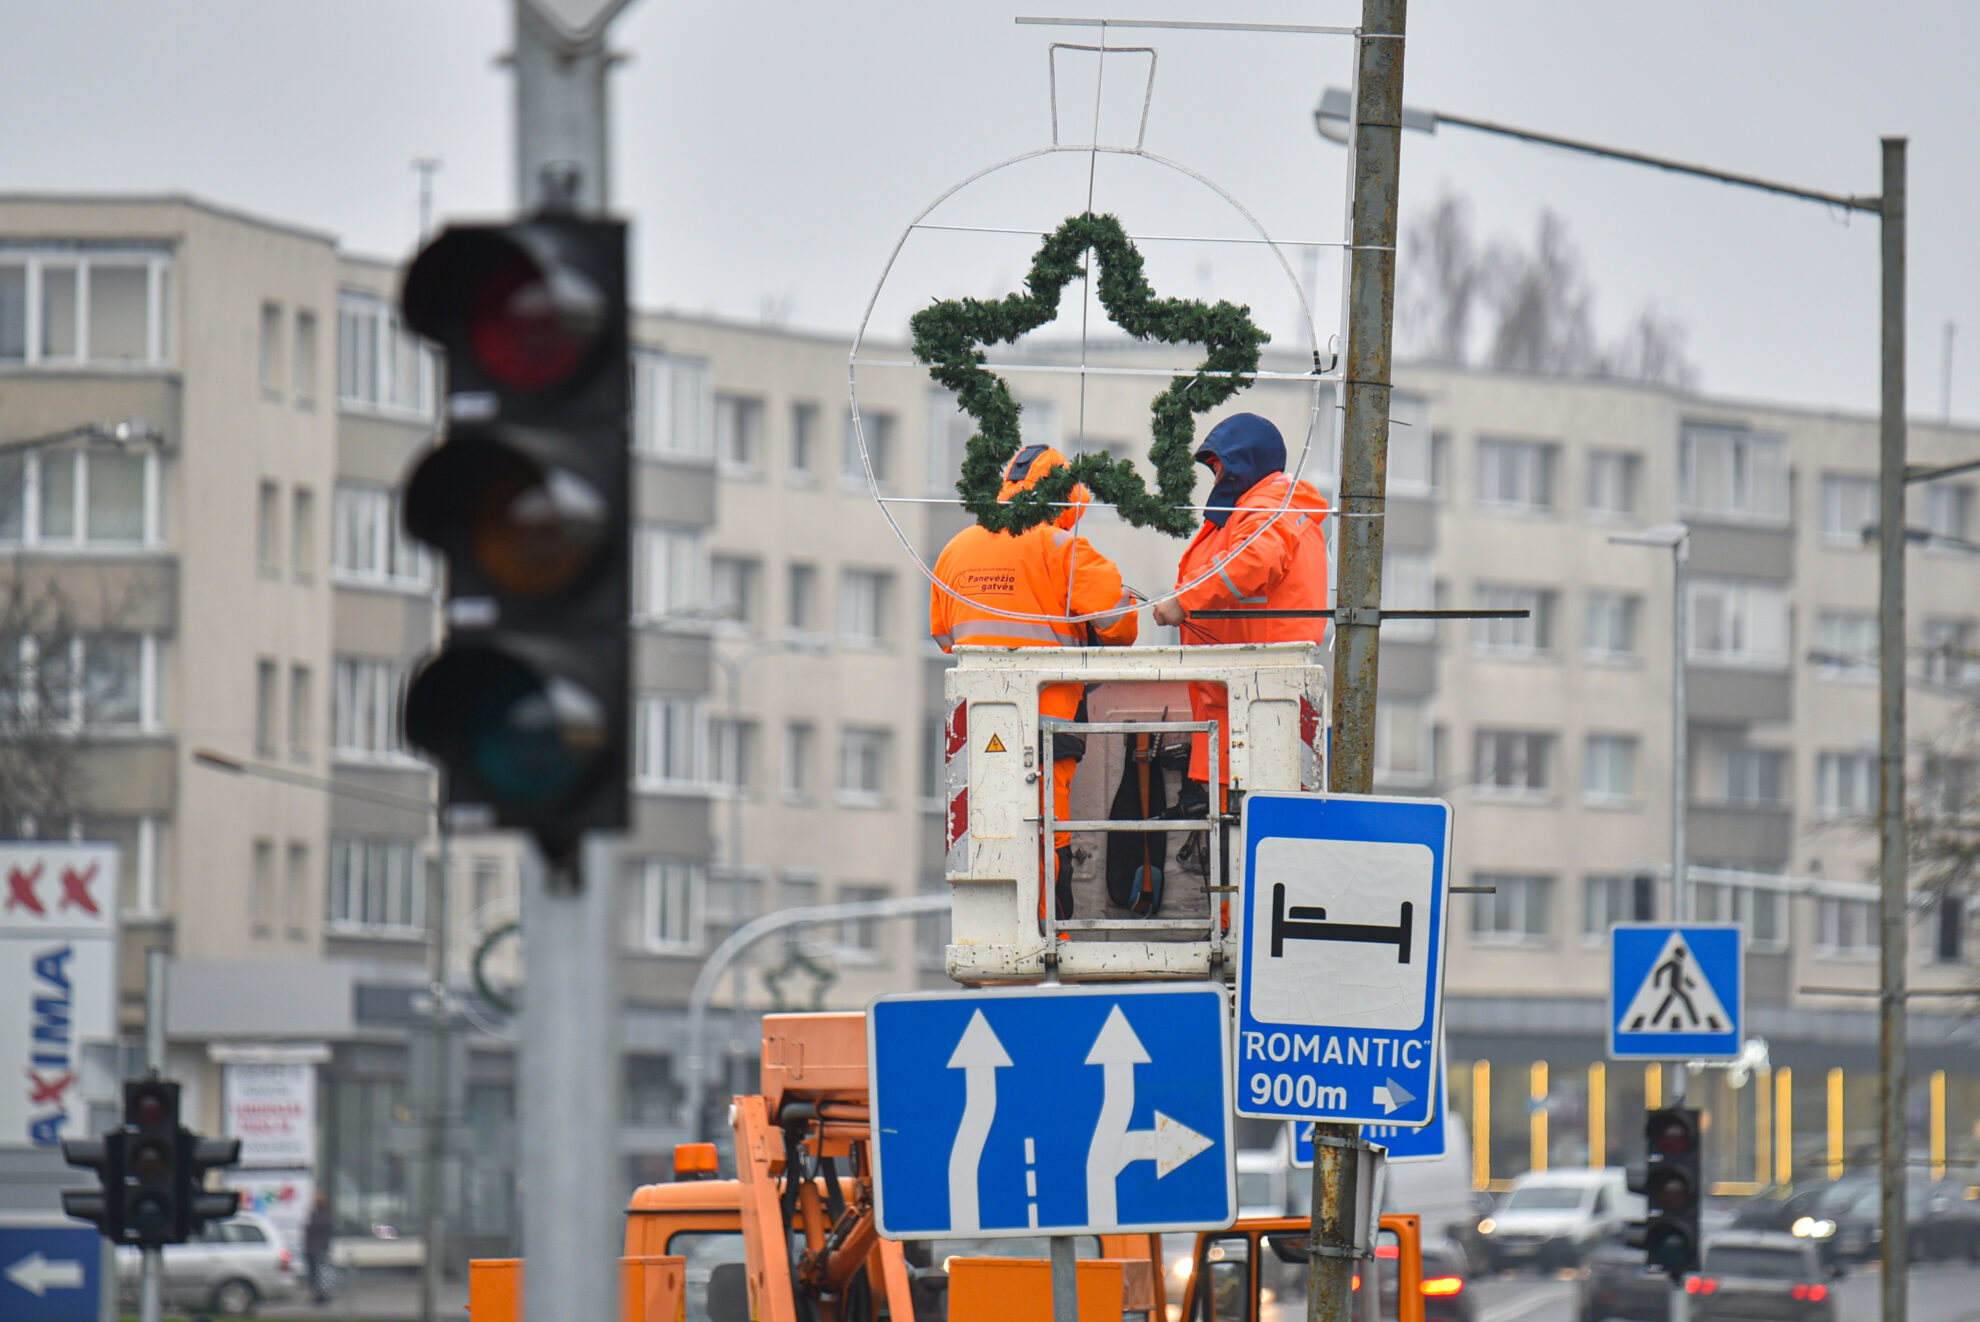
{"x": 1552, "y": 1218}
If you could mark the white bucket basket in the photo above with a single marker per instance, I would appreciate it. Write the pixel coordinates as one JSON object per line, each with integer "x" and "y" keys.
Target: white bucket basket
{"x": 999, "y": 805}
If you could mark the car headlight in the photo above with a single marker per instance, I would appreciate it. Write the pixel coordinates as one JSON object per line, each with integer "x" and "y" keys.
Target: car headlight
{"x": 1487, "y": 1226}
{"x": 1803, "y": 1226}
{"x": 1823, "y": 1229}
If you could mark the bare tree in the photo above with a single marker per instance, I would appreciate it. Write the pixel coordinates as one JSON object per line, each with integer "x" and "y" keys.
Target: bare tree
{"x": 1440, "y": 277}
{"x": 41, "y": 774}
{"x": 1652, "y": 349}
{"x": 1540, "y": 303}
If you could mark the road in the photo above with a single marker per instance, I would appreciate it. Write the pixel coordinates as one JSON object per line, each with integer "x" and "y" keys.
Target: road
{"x": 1940, "y": 1292}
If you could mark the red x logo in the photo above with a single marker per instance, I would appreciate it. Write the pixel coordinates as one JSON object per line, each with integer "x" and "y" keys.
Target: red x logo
{"x": 47, "y": 1090}
{"x": 75, "y": 890}
{"x": 20, "y": 891}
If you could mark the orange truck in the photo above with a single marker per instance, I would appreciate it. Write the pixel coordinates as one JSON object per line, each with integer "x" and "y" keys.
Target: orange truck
{"x": 793, "y": 1238}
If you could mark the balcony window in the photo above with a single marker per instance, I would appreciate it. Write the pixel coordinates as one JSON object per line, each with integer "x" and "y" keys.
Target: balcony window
{"x": 1613, "y": 477}
{"x": 673, "y": 407}
{"x": 1531, "y": 636}
{"x": 1849, "y": 504}
{"x": 1518, "y": 911}
{"x": 63, "y": 498}
{"x": 1512, "y": 763}
{"x": 78, "y": 305}
{"x": 1845, "y": 784}
{"x": 1737, "y": 776}
{"x": 369, "y": 545}
{"x": 672, "y": 895}
{"x": 382, "y": 367}
{"x": 1738, "y": 622}
{"x": 1733, "y": 473}
{"x": 1846, "y": 646}
{"x": 375, "y": 885}
{"x": 670, "y": 741}
{"x": 1760, "y": 910}
{"x": 671, "y": 571}
{"x": 1515, "y": 475}
{"x": 364, "y": 708}
{"x": 1610, "y": 633}
{"x": 88, "y": 683}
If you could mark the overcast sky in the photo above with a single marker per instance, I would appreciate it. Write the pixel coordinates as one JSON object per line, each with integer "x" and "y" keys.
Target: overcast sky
{"x": 770, "y": 154}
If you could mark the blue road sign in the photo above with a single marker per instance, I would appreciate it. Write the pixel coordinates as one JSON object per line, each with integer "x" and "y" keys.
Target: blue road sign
{"x": 1060, "y": 1110}
{"x": 1341, "y": 972}
{"x": 50, "y": 1273}
{"x": 1401, "y": 1142}
{"x": 1676, "y": 992}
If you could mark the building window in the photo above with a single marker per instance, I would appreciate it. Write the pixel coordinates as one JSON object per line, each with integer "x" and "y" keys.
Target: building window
{"x": 1606, "y": 901}
{"x": 671, "y": 571}
{"x": 266, "y": 675}
{"x": 1608, "y": 775}
{"x": 878, "y": 430}
{"x": 90, "y": 682}
{"x": 931, "y": 931}
{"x": 732, "y": 754}
{"x": 738, "y": 434}
{"x": 934, "y": 762}
{"x": 800, "y": 738}
{"x": 43, "y": 296}
{"x": 863, "y": 767}
{"x": 1845, "y": 784}
{"x": 303, "y": 373}
{"x": 1530, "y": 636}
{"x": 369, "y": 545}
{"x": 734, "y": 898}
{"x": 670, "y": 741}
{"x": 863, "y": 606}
{"x": 1737, "y": 776}
{"x": 673, "y": 407}
{"x": 801, "y": 614}
{"x": 261, "y": 887}
{"x": 1403, "y": 742}
{"x": 860, "y": 938}
{"x": 1409, "y": 582}
{"x": 1945, "y": 787}
{"x": 1760, "y": 910}
{"x": 1412, "y": 448}
{"x": 1732, "y": 472}
{"x": 1846, "y": 646}
{"x": 1949, "y": 929}
{"x": 1515, "y": 475}
{"x": 67, "y": 498}
{"x": 1516, "y": 911}
{"x": 271, "y": 350}
{"x": 302, "y": 707}
{"x": 733, "y": 580}
{"x": 302, "y": 533}
{"x": 364, "y": 708}
{"x": 1948, "y": 509}
{"x": 295, "y": 891}
{"x": 268, "y": 529}
{"x": 1849, "y": 505}
{"x": 381, "y": 365}
{"x": 1611, "y": 626}
{"x": 799, "y": 888}
{"x": 801, "y": 459}
{"x": 1845, "y": 928}
{"x": 1950, "y": 658}
{"x": 1612, "y": 481}
{"x": 1738, "y": 622}
{"x": 375, "y": 885}
{"x": 1514, "y": 763}
{"x": 672, "y": 893}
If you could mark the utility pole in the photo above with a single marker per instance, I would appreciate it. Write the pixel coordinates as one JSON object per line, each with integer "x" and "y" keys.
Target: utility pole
{"x": 427, "y": 166}
{"x": 151, "y": 1265}
{"x": 1894, "y": 1078}
{"x": 1371, "y": 297}
{"x": 437, "y": 1103}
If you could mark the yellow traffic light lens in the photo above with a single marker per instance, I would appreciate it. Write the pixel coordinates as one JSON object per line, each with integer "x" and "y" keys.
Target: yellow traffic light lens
{"x": 533, "y": 530}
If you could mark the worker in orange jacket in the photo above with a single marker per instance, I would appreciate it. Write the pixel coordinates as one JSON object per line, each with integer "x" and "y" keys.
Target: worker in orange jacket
{"x": 1284, "y": 567}
{"x": 1048, "y": 570}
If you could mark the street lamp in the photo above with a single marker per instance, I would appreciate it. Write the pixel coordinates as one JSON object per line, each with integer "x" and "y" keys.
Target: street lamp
{"x": 435, "y": 1103}
{"x": 1675, "y": 538}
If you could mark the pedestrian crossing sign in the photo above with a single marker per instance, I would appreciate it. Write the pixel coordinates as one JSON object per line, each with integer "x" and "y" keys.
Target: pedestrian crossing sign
{"x": 1676, "y": 992}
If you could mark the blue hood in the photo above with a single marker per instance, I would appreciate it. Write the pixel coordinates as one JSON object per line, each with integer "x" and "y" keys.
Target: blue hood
{"x": 1251, "y": 450}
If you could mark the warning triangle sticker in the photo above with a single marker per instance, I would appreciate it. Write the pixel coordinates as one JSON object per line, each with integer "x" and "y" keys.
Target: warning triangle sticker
{"x": 1675, "y": 996}
{"x": 995, "y": 745}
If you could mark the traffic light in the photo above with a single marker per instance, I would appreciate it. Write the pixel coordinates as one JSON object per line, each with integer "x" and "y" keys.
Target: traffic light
{"x": 1671, "y": 1186}
{"x": 528, "y": 499}
{"x": 197, "y": 1156}
{"x": 151, "y": 1194}
{"x": 103, "y": 1205}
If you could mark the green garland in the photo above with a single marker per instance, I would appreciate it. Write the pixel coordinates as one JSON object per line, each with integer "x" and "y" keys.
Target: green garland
{"x": 948, "y": 335}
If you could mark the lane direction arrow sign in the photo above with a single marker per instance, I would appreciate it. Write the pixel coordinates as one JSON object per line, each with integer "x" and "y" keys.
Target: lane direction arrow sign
{"x": 1080, "y": 1110}
{"x": 49, "y": 1273}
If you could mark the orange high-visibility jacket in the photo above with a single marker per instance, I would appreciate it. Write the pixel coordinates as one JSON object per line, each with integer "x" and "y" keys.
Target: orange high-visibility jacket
{"x": 1046, "y": 570}
{"x": 1283, "y": 569}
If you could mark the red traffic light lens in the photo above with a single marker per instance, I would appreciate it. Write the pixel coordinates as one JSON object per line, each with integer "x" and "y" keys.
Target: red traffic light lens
{"x": 535, "y": 530}
{"x": 529, "y": 326}
{"x": 148, "y": 1108}
{"x": 1673, "y": 1135}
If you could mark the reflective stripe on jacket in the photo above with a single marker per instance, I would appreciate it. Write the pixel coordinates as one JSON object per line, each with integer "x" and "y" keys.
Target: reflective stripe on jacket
{"x": 1041, "y": 571}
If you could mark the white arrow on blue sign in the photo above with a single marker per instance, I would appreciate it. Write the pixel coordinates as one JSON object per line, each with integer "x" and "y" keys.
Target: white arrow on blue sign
{"x": 50, "y": 1273}
{"x": 1057, "y": 1110}
{"x": 1400, "y": 1143}
{"x": 1341, "y": 974}
{"x": 1676, "y": 992}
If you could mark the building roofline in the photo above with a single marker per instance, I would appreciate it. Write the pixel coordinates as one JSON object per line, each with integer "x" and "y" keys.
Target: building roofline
{"x": 188, "y": 200}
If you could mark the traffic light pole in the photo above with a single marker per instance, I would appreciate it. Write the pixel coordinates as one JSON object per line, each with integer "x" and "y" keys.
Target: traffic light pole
{"x": 151, "y": 1262}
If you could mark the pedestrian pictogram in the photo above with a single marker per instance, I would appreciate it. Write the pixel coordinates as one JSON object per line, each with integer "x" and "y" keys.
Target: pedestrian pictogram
{"x": 1676, "y": 991}
{"x": 1067, "y": 1110}
{"x": 995, "y": 745}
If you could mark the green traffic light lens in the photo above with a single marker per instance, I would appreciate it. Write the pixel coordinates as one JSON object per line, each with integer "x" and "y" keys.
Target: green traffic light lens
{"x": 148, "y": 1217}
{"x": 534, "y": 530}
{"x": 532, "y": 739}
{"x": 1670, "y": 1248}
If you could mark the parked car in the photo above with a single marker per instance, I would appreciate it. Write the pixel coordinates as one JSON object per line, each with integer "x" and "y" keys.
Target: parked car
{"x": 1282, "y": 1280}
{"x": 230, "y": 1266}
{"x": 1747, "y": 1276}
{"x": 1552, "y": 1219}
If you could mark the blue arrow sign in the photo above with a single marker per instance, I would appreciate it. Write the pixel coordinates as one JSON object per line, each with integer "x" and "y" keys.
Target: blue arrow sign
{"x": 1676, "y": 992}
{"x": 1055, "y": 1110}
{"x": 50, "y": 1273}
{"x": 1341, "y": 972}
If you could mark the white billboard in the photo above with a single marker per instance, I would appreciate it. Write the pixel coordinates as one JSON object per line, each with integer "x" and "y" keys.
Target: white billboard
{"x": 271, "y": 1109}
{"x": 58, "y": 981}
